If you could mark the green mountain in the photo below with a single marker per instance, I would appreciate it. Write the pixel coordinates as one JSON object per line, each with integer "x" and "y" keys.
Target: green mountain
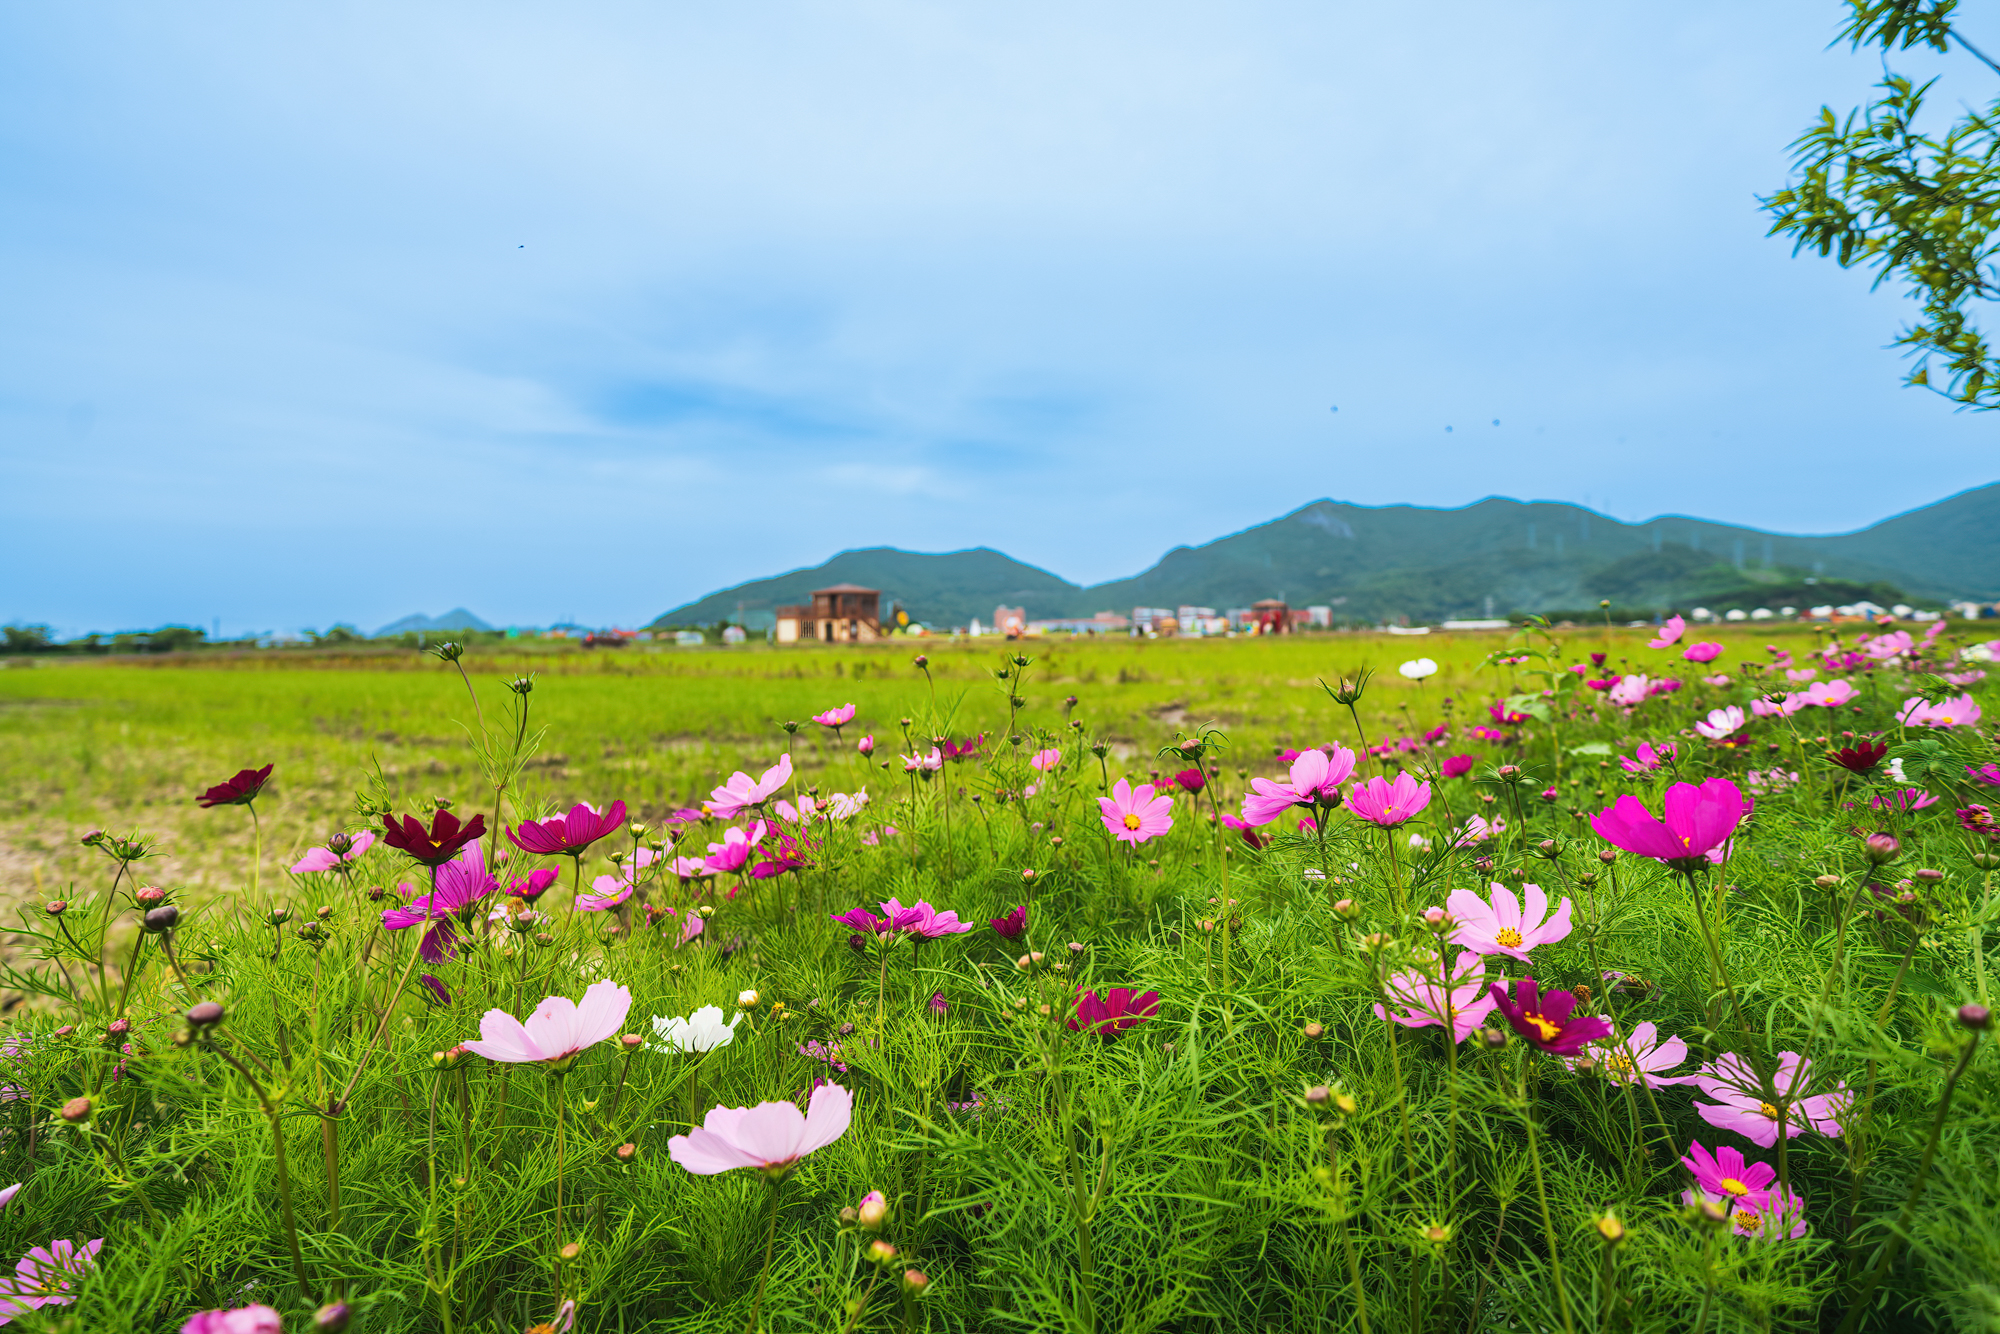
{"x": 1489, "y": 558}
{"x": 947, "y": 589}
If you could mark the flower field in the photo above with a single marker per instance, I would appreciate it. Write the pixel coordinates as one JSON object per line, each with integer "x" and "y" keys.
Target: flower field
{"x": 1596, "y": 979}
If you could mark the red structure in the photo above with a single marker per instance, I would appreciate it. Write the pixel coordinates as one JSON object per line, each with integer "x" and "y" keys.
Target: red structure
{"x": 1273, "y": 617}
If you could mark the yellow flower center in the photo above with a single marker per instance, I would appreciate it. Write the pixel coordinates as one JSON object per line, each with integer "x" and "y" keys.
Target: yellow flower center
{"x": 1618, "y": 1066}
{"x": 1509, "y": 937}
{"x": 1734, "y": 1187}
{"x": 1542, "y": 1025}
{"x": 1768, "y": 1110}
{"x": 1131, "y": 822}
{"x": 1749, "y": 1220}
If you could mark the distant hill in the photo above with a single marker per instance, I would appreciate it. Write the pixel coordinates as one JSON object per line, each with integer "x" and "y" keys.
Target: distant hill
{"x": 1492, "y": 557}
{"x": 458, "y": 618}
{"x": 946, "y": 589}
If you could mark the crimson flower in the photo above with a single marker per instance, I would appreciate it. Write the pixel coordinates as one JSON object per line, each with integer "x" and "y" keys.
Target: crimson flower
{"x": 238, "y": 791}
{"x": 437, "y": 845}
{"x": 1860, "y": 757}
{"x": 1546, "y": 1021}
{"x": 569, "y": 835}
{"x": 1012, "y": 924}
{"x": 1190, "y": 780}
{"x": 962, "y": 750}
{"x": 1695, "y": 824}
{"x": 1112, "y": 1013}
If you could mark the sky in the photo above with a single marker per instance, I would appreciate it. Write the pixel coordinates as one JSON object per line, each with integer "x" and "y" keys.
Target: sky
{"x": 344, "y": 311}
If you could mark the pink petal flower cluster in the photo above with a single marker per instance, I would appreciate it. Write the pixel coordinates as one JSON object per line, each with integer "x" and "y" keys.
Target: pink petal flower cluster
{"x": 1670, "y": 633}
{"x": 1630, "y": 690}
{"x": 729, "y": 855}
{"x": 1725, "y": 1175}
{"x": 1461, "y": 1000}
{"x": 922, "y": 921}
{"x": 1883, "y": 648}
{"x": 325, "y": 859}
{"x": 1782, "y": 1215}
{"x": 458, "y": 886}
{"x": 1503, "y": 925}
{"x": 1478, "y": 829}
{"x": 1695, "y": 822}
{"x": 1740, "y": 1101}
{"x": 557, "y": 1031}
{"x": 242, "y": 1320}
{"x": 1115, "y": 1011}
{"x": 771, "y": 1137}
{"x": 740, "y": 794}
{"x": 1135, "y": 815}
{"x": 42, "y": 1277}
{"x": 918, "y": 763}
{"x": 1638, "y": 1058}
{"x": 1959, "y": 712}
{"x": 1388, "y": 804}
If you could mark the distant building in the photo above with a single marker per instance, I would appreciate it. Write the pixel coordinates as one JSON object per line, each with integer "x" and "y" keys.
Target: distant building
{"x": 1146, "y": 620}
{"x": 1320, "y": 616}
{"x": 846, "y": 613}
{"x": 1010, "y": 621}
{"x": 794, "y": 623}
{"x": 1274, "y": 617}
{"x": 733, "y": 634}
{"x": 689, "y": 638}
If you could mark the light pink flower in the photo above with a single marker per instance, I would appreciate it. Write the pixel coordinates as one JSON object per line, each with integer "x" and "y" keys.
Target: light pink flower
{"x": 612, "y": 890}
{"x": 1959, "y": 712}
{"x": 914, "y": 763}
{"x": 1740, "y": 1100}
{"x": 1764, "y": 708}
{"x": 1317, "y": 776}
{"x": 1629, "y": 691}
{"x": 1266, "y": 800}
{"x": 1884, "y": 647}
{"x": 1046, "y": 760}
{"x": 1965, "y": 678}
{"x": 1718, "y": 680}
{"x": 1381, "y": 802}
{"x": 835, "y": 718}
{"x": 1505, "y": 925}
{"x": 42, "y": 1276}
{"x": 1829, "y": 694}
{"x": 7, "y": 1195}
{"x": 1721, "y": 722}
{"x": 1670, "y": 633}
{"x": 771, "y": 1137}
{"x": 1802, "y": 674}
{"x": 559, "y": 1028}
{"x": 866, "y": 745}
{"x": 1135, "y": 815}
{"x": 1702, "y": 652}
{"x": 1426, "y": 1001}
{"x": 1648, "y": 758}
{"x": 243, "y": 1320}
{"x": 922, "y": 920}
{"x": 739, "y": 794}
{"x": 1641, "y": 1057}
{"x": 325, "y": 859}
{"x": 1478, "y": 829}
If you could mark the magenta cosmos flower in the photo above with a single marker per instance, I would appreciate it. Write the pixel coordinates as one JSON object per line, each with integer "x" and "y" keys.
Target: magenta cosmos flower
{"x": 866, "y": 745}
{"x": 835, "y": 718}
{"x": 1823, "y": 695}
{"x": 1639, "y": 1058}
{"x": 1670, "y": 633}
{"x": 1724, "y": 1175}
{"x": 1740, "y": 1100}
{"x": 1266, "y": 800}
{"x": 1546, "y": 1020}
{"x": 325, "y": 859}
{"x": 734, "y": 849}
{"x": 569, "y": 835}
{"x": 1112, "y": 1013}
{"x": 1647, "y": 758}
{"x": 922, "y": 921}
{"x": 42, "y": 1277}
{"x": 1427, "y": 1000}
{"x": 7, "y": 1195}
{"x": 1135, "y": 815}
{"x": 1503, "y": 925}
{"x": 740, "y": 794}
{"x": 458, "y": 886}
{"x": 1317, "y": 775}
{"x": 1191, "y": 781}
{"x": 557, "y": 1031}
{"x": 1455, "y": 766}
{"x": 1696, "y": 821}
{"x": 1011, "y": 924}
{"x": 608, "y": 891}
{"x": 236, "y": 791}
{"x": 1702, "y": 652}
{"x": 242, "y": 1320}
{"x": 771, "y": 1137}
{"x": 1045, "y": 760}
{"x": 1381, "y": 802}
{"x": 1783, "y": 1214}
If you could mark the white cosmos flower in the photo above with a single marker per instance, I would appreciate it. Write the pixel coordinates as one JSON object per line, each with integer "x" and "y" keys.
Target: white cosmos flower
{"x": 1418, "y": 668}
{"x": 701, "y": 1031}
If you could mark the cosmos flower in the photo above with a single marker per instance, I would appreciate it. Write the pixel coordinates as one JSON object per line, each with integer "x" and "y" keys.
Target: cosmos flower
{"x": 1504, "y": 925}
{"x": 771, "y": 1137}
{"x": 1245, "y": 828}
{"x": 1455, "y": 766}
{"x": 608, "y": 891}
{"x": 1989, "y": 774}
{"x": 438, "y": 844}
{"x": 1802, "y": 674}
{"x": 1702, "y": 652}
{"x": 1630, "y": 690}
{"x": 557, "y": 1031}
{"x": 325, "y": 859}
{"x": 237, "y": 791}
{"x": 1640, "y": 1058}
{"x": 866, "y": 745}
{"x": 962, "y": 750}
{"x": 1266, "y": 800}
{"x": 1547, "y": 1020}
{"x": 1418, "y": 668}
{"x": 1011, "y": 923}
{"x": 1725, "y": 1175}
{"x": 457, "y": 887}
{"x": 568, "y": 835}
{"x": 1462, "y": 999}
{"x": 701, "y": 1031}
{"x": 1959, "y": 712}
{"x": 734, "y": 849}
{"x": 835, "y": 718}
{"x": 1740, "y": 1100}
{"x": 740, "y": 794}
{"x": 922, "y": 921}
{"x": 916, "y": 763}
{"x": 1045, "y": 760}
{"x": 1113, "y": 1012}
{"x": 1783, "y": 1214}
{"x": 1647, "y": 758}
{"x": 242, "y": 1320}
{"x": 1695, "y": 822}
{"x": 1387, "y": 804}
{"x": 1670, "y": 633}
{"x": 1721, "y": 722}
{"x": 1860, "y": 757}
{"x": 1190, "y": 781}
{"x": 42, "y": 1276}
{"x": 1317, "y": 775}
{"x": 1135, "y": 815}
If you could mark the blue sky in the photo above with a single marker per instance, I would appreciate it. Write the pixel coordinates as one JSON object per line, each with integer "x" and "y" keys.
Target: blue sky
{"x": 340, "y": 312}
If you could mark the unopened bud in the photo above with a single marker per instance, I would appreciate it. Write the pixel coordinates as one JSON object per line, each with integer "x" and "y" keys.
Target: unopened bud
{"x": 1607, "y": 856}
{"x": 148, "y": 895}
{"x": 1880, "y": 848}
{"x": 881, "y": 1253}
{"x": 58, "y": 907}
{"x": 332, "y": 1318}
{"x": 1028, "y": 960}
{"x": 1610, "y": 1228}
{"x": 1314, "y": 1031}
{"x": 746, "y": 1000}
{"x": 1986, "y": 861}
{"x": 571, "y": 1250}
{"x": 1319, "y": 1095}
{"x": 161, "y": 918}
{"x": 76, "y": 1110}
{"x": 1494, "y": 1038}
{"x": 631, "y": 1041}
{"x": 1927, "y": 874}
{"x": 922, "y": 660}
{"x": 279, "y": 916}
{"x": 1712, "y": 1213}
{"x": 1436, "y": 916}
{"x": 323, "y": 912}
{"x": 1346, "y": 909}
{"x": 914, "y": 1282}
{"x": 1827, "y": 881}
{"x": 1975, "y": 1016}
{"x": 626, "y": 1152}
{"x": 873, "y": 1211}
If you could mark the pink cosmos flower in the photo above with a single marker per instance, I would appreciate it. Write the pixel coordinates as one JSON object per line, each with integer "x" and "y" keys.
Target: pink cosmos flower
{"x": 1638, "y": 1058}
{"x": 243, "y": 1320}
{"x": 1317, "y": 776}
{"x": 835, "y": 718}
{"x": 922, "y": 921}
{"x": 1455, "y": 766}
{"x": 1670, "y": 633}
{"x": 1696, "y": 821}
{"x": 1245, "y": 828}
{"x": 1630, "y": 690}
{"x": 325, "y": 859}
{"x": 558, "y": 1030}
{"x": 1478, "y": 829}
{"x": 1718, "y": 680}
{"x": 1266, "y": 800}
{"x": 459, "y": 885}
{"x": 1547, "y": 1019}
{"x": 1801, "y": 674}
{"x": 1191, "y": 781}
{"x": 740, "y": 794}
{"x": 734, "y": 849}
{"x": 42, "y": 1276}
{"x": 1648, "y": 758}
{"x": 1908, "y": 799}
{"x": 1965, "y": 678}
{"x": 1135, "y": 815}
{"x": 771, "y": 1137}
{"x": 1721, "y": 722}
{"x": 1829, "y": 694}
{"x": 1783, "y": 1214}
{"x": 691, "y": 868}
{"x": 1702, "y": 652}
{"x": 1726, "y": 1176}
{"x": 1387, "y": 804}
{"x": 1959, "y": 712}
{"x": 1504, "y": 925}
{"x": 608, "y": 891}
{"x": 1882, "y": 648}
{"x": 1988, "y": 774}
{"x": 866, "y": 745}
{"x": 7, "y": 1195}
{"x": 1012, "y": 923}
{"x": 1046, "y": 760}
{"x": 914, "y": 763}
{"x": 1426, "y": 1000}
{"x": 1740, "y": 1100}
{"x": 569, "y": 835}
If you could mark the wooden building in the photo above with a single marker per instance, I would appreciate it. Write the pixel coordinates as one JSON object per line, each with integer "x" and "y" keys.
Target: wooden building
{"x": 842, "y": 614}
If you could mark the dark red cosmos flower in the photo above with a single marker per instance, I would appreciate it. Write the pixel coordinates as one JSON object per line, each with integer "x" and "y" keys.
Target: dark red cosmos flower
{"x": 1546, "y": 1021}
{"x": 437, "y": 845}
{"x": 1191, "y": 780}
{"x": 237, "y": 791}
{"x": 1860, "y": 757}
{"x": 1112, "y": 1013}
{"x": 568, "y": 835}
{"x": 1013, "y": 923}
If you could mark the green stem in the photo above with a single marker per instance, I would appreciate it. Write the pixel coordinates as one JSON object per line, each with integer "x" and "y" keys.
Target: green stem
{"x": 1542, "y": 1198}
{"x": 770, "y": 1237}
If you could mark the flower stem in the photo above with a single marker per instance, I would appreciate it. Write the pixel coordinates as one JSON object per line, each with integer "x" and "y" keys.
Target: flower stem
{"x": 1542, "y": 1198}
{"x": 770, "y": 1237}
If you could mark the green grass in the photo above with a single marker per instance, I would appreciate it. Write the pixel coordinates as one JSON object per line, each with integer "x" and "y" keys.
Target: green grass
{"x": 1183, "y": 1159}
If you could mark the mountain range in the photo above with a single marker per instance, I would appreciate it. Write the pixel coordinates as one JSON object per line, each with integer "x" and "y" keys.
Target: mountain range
{"x": 1492, "y": 557}
{"x": 458, "y": 618}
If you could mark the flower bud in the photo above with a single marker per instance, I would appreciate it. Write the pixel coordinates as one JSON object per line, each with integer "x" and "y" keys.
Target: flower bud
{"x": 880, "y": 1253}
{"x": 324, "y": 912}
{"x": 149, "y": 895}
{"x": 544, "y": 939}
{"x": 636, "y": 829}
{"x": 332, "y": 1318}
{"x": 1928, "y": 874}
{"x": 626, "y": 1152}
{"x": 57, "y": 907}
{"x": 922, "y": 660}
{"x": 571, "y": 1251}
{"x": 1708, "y": 1211}
{"x": 631, "y": 1041}
{"x": 1880, "y": 848}
{"x": 1346, "y": 909}
{"x": 1435, "y": 916}
{"x": 279, "y": 916}
{"x": 1493, "y": 1038}
{"x": 914, "y": 1282}
{"x": 1827, "y": 881}
{"x": 1314, "y": 1031}
{"x": 1607, "y": 856}
{"x": 1975, "y": 1016}
{"x": 65, "y": 1030}
{"x": 76, "y": 1110}
{"x": 1986, "y": 861}
{"x": 1610, "y": 1228}
{"x": 1319, "y": 1095}
{"x": 118, "y": 1028}
{"x": 847, "y": 1215}
{"x": 873, "y": 1211}
{"x": 522, "y": 685}
{"x": 1028, "y": 960}
{"x": 161, "y": 918}
{"x": 92, "y": 839}
{"x": 746, "y": 1000}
